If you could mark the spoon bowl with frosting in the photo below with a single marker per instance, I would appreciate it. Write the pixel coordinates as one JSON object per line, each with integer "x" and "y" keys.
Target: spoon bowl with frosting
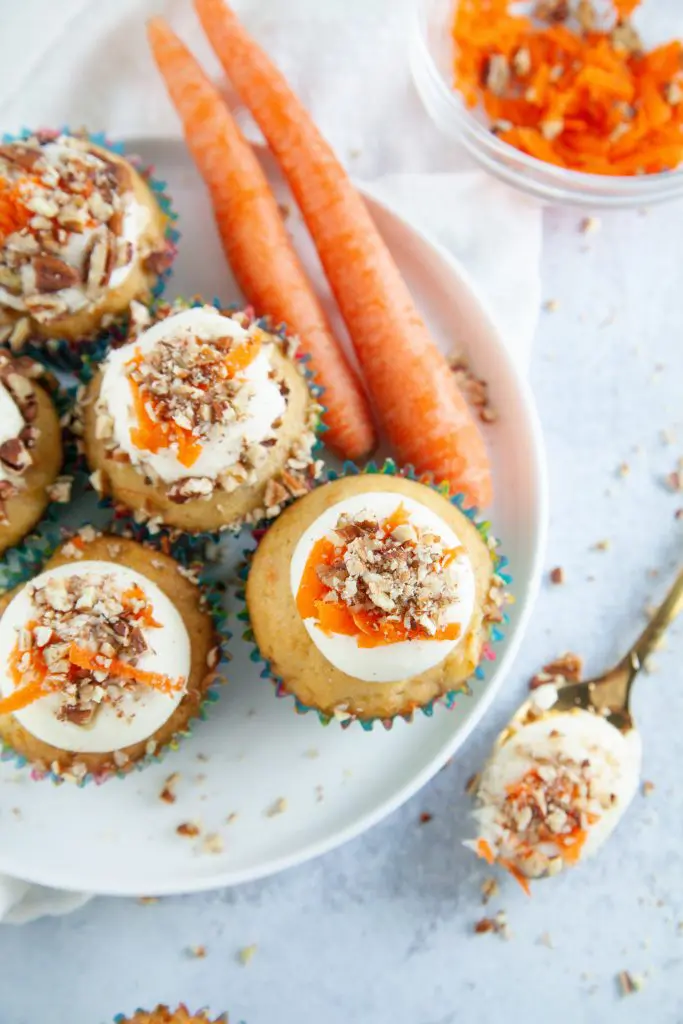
{"x": 565, "y": 769}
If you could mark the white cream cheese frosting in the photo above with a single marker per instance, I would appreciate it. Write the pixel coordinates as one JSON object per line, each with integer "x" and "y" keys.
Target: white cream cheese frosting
{"x": 139, "y": 710}
{"x": 388, "y": 663}
{"x": 258, "y": 403}
{"x": 11, "y": 423}
{"x": 601, "y": 766}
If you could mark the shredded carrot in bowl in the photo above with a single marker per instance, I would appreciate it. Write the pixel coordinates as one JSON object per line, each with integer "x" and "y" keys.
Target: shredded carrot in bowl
{"x": 571, "y": 85}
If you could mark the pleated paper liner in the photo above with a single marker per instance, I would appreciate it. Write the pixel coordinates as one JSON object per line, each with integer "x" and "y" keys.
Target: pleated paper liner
{"x": 495, "y": 629}
{"x": 67, "y": 355}
{"x": 164, "y": 1015}
{"x": 144, "y": 527}
{"x": 27, "y": 560}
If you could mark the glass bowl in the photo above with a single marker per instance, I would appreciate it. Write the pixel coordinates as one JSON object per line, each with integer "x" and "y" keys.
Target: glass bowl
{"x": 431, "y": 58}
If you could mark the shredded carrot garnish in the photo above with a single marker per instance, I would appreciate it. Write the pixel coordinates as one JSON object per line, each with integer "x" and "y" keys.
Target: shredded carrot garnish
{"x": 13, "y": 214}
{"x": 583, "y": 94}
{"x": 485, "y": 852}
{"x": 91, "y": 661}
{"x": 520, "y": 878}
{"x": 370, "y": 628}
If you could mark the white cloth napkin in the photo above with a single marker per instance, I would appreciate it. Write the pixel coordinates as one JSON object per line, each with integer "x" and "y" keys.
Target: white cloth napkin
{"x": 85, "y": 62}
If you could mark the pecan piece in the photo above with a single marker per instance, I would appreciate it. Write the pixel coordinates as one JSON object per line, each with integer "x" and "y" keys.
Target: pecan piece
{"x": 15, "y": 455}
{"x": 22, "y": 156}
{"x": 158, "y": 261}
{"x": 53, "y": 274}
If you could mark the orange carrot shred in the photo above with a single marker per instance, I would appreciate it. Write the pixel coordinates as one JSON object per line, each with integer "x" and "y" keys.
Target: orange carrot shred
{"x": 584, "y": 98}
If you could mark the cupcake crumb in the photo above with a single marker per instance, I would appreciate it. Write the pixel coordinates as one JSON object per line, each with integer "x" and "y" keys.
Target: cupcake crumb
{"x": 551, "y": 305}
{"x": 647, "y": 787}
{"x": 246, "y": 954}
{"x": 196, "y": 952}
{"x": 279, "y": 807}
{"x": 425, "y": 817}
{"x": 601, "y": 545}
{"x": 231, "y": 818}
{"x": 568, "y": 668}
{"x": 146, "y": 901}
{"x": 629, "y": 983}
{"x": 545, "y": 939}
{"x": 498, "y": 925}
{"x": 557, "y": 575}
{"x": 489, "y": 889}
{"x": 312, "y": 753}
{"x": 213, "y": 843}
{"x": 590, "y": 225}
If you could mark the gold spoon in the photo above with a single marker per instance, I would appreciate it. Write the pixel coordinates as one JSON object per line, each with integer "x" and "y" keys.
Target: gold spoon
{"x": 609, "y": 694}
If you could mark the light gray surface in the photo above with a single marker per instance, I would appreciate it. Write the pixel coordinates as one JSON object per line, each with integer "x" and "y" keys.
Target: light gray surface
{"x": 381, "y": 930}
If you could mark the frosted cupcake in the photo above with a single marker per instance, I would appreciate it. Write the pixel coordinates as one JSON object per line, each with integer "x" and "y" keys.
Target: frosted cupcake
{"x": 201, "y": 421}
{"x": 81, "y": 236}
{"x": 106, "y": 656}
{"x": 164, "y": 1015}
{"x": 30, "y": 448}
{"x": 371, "y": 597}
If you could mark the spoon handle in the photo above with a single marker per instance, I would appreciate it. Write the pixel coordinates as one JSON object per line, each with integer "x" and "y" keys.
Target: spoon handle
{"x": 656, "y": 627}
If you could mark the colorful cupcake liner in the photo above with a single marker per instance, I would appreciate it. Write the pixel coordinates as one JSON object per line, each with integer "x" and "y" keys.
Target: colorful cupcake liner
{"x": 496, "y": 630}
{"x": 196, "y": 543}
{"x": 67, "y": 355}
{"x": 28, "y": 559}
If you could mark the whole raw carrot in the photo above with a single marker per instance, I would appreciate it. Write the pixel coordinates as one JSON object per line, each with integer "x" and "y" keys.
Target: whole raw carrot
{"x": 255, "y": 240}
{"x": 423, "y": 413}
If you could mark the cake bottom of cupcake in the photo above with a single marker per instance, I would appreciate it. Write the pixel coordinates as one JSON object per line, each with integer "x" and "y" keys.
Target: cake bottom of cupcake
{"x": 27, "y": 502}
{"x": 184, "y": 597}
{"x": 128, "y": 484}
{"x": 293, "y": 657}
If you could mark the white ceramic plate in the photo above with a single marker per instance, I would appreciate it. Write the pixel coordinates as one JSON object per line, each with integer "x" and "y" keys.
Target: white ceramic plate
{"x": 120, "y": 838}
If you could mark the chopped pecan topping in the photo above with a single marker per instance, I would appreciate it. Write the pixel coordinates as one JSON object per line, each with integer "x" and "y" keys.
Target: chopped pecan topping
{"x": 53, "y": 274}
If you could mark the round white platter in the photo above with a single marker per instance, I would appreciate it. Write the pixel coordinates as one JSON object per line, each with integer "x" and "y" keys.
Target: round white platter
{"x": 254, "y": 751}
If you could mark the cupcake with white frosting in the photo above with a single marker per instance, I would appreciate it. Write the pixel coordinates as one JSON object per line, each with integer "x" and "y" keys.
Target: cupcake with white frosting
{"x": 201, "y": 420}
{"x": 372, "y": 597}
{"x": 81, "y": 235}
{"x": 30, "y": 449}
{"x": 107, "y": 655}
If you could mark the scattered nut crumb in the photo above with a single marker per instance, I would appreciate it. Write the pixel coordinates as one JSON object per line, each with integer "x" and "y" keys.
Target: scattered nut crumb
{"x": 647, "y": 787}
{"x": 551, "y": 305}
{"x": 489, "y": 889}
{"x": 197, "y": 952}
{"x": 678, "y": 514}
{"x": 319, "y": 794}
{"x": 279, "y": 807}
{"x": 189, "y": 828}
{"x": 472, "y": 784}
{"x": 545, "y": 939}
{"x": 231, "y": 818}
{"x": 168, "y": 794}
{"x": 145, "y": 901}
{"x": 623, "y": 469}
{"x": 674, "y": 480}
{"x": 425, "y": 817}
{"x": 557, "y": 575}
{"x": 475, "y": 390}
{"x": 202, "y": 757}
{"x": 590, "y": 225}
{"x": 246, "y": 954}
{"x": 601, "y": 545}
{"x": 312, "y": 753}
{"x": 213, "y": 843}
{"x": 667, "y": 437}
{"x": 629, "y": 983}
{"x": 568, "y": 668}
{"x": 497, "y": 924}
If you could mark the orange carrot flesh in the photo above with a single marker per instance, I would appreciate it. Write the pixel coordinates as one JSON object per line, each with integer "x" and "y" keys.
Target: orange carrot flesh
{"x": 118, "y": 669}
{"x": 255, "y": 239}
{"x": 370, "y": 628}
{"x": 581, "y": 95}
{"x": 425, "y": 417}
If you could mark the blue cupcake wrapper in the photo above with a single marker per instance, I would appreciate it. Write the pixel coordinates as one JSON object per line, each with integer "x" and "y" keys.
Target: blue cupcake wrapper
{"x": 27, "y": 561}
{"x": 67, "y": 355}
{"x": 496, "y": 630}
{"x": 196, "y": 542}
